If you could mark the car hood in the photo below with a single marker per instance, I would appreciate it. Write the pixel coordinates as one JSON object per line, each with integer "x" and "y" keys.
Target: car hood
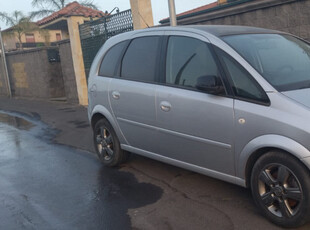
{"x": 301, "y": 95}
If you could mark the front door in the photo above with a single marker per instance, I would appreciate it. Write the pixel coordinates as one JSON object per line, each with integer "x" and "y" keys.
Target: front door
{"x": 194, "y": 127}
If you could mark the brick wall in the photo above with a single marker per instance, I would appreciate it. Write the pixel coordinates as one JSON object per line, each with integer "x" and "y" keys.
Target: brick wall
{"x": 68, "y": 71}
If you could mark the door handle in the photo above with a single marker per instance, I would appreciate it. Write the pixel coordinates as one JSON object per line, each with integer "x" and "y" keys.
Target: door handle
{"x": 165, "y": 106}
{"x": 116, "y": 95}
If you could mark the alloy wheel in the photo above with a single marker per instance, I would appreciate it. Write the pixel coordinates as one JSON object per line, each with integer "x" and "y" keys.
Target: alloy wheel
{"x": 105, "y": 143}
{"x": 280, "y": 190}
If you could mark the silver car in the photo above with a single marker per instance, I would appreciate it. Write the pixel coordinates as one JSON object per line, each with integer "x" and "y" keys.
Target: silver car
{"x": 229, "y": 102}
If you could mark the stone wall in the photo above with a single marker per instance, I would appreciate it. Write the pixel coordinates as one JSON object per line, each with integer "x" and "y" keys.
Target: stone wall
{"x": 286, "y": 15}
{"x": 68, "y": 71}
{"x": 33, "y": 74}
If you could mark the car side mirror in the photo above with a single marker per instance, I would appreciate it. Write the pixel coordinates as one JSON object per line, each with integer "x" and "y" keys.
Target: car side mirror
{"x": 210, "y": 84}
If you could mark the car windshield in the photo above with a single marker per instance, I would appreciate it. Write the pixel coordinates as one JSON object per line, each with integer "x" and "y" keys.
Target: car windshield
{"x": 283, "y": 60}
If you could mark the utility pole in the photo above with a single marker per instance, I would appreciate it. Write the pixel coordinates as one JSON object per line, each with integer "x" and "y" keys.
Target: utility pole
{"x": 5, "y": 66}
{"x": 173, "y": 17}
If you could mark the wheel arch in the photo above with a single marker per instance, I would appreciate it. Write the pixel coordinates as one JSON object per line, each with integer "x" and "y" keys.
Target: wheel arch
{"x": 95, "y": 118}
{"x": 100, "y": 112}
{"x": 255, "y": 156}
{"x": 262, "y": 145}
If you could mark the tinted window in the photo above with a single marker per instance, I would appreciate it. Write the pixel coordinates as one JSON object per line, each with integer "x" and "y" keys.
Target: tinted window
{"x": 187, "y": 60}
{"x": 243, "y": 84}
{"x": 283, "y": 60}
{"x": 111, "y": 59}
{"x": 139, "y": 62}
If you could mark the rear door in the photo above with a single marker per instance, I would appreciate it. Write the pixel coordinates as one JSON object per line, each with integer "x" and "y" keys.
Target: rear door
{"x": 194, "y": 127}
{"x": 132, "y": 95}
{"x": 250, "y": 106}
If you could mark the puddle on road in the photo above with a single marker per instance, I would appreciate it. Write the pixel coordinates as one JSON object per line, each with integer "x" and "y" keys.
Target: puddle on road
{"x": 17, "y": 122}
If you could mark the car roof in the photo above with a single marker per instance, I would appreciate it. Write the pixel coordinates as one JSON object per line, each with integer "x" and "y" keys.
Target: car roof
{"x": 225, "y": 30}
{"x": 216, "y": 30}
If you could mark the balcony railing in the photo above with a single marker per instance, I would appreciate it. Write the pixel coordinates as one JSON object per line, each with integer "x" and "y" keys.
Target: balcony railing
{"x": 30, "y": 45}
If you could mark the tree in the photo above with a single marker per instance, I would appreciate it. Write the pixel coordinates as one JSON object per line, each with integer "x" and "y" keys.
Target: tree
{"x": 47, "y": 7}
{"x": 19, "y": 24}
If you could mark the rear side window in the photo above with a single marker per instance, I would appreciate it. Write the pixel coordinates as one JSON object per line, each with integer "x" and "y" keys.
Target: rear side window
{"x": 140, "y": 59}
{"x": 187, "y": 60}
{"x": 111, "y": 59}
{"x": 243, "y": 84}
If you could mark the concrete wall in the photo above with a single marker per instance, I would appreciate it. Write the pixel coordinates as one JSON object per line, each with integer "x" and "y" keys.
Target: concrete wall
{"x": 33, "y": 76}
{"x": 286, "y": 15}
{"x": 3, "y": 84}
{"x": 68, "y": 71}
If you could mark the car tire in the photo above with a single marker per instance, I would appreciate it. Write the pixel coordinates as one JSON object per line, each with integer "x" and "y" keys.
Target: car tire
{"x": 281, "y": 189}
{"x": 107, "y": 144}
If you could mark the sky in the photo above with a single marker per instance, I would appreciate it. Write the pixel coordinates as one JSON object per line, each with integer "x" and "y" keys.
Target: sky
{"x": 160, "y": 7}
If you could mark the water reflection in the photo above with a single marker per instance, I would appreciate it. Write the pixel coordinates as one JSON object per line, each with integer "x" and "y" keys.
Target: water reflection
{"x": 17, "y": 122}
{"x": 10, "y": 139}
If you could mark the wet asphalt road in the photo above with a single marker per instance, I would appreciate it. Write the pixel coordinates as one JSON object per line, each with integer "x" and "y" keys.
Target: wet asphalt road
{"x": 46, "y": 184}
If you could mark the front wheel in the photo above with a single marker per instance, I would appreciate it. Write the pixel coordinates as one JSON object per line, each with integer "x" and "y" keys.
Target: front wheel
{"x": 107, "y": 144}
{"x": 281, "y": 189}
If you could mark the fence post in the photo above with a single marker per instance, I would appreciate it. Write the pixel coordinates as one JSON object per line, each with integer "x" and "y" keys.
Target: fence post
{"x": 5, "y": 66}
{"x": 77, "y": 57}
{"x": 142, "y": 15}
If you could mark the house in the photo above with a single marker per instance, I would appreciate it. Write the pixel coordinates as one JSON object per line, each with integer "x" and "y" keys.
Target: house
{"x": 59, "y": 20}
{"x": 30, "y": 39}
{"x": 68, "y": 21}
{"x": 290, "y": 16}
{"x": 53, "y": 28}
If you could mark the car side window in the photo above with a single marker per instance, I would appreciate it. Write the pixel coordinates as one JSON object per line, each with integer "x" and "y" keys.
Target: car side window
{"x": 140, "y": 59}
{"x": 243, "y": 84}
{"x": 111, "y": 58}
{"x": 187, "y": 60}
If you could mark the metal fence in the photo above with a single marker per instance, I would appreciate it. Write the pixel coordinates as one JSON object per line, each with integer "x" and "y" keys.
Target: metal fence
{"x": 94, "y": 34}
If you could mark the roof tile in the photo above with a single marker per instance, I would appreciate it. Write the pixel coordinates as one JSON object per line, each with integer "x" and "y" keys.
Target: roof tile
{"x": 72, "y": 9}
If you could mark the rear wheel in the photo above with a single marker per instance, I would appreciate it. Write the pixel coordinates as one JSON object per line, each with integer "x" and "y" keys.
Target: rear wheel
{"x": 281, "y": 189}
{"x": 107, "y": 144}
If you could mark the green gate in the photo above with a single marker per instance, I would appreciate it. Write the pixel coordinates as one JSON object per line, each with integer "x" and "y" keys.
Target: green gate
{"x": 93, "y": 34}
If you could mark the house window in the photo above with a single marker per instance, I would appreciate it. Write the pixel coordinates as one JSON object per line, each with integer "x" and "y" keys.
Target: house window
{"x": 58, "y": 37}
{"x": 30, "y": 38}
